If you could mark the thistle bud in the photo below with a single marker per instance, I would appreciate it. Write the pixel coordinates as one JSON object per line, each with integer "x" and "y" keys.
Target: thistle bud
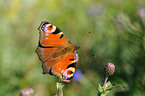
{"x": 110, "y": 69}
{"x": 26, "y": 92}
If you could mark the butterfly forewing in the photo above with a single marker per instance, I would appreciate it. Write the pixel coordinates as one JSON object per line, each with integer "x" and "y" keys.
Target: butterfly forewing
{"x": 51, "y": 36}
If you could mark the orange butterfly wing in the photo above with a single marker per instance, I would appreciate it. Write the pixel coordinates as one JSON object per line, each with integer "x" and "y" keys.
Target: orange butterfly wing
{"x": 56, "y": 52}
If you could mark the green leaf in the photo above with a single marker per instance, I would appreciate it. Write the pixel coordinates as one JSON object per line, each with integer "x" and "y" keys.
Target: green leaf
{"x": 108, "y": 86}
{"x": 100, "y": 89}
{"x": 105, "y": 93}
{"x": 106, "y": 89}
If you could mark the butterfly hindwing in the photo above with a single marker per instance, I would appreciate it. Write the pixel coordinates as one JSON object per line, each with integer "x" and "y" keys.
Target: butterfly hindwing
{"x": 63, "y": 66}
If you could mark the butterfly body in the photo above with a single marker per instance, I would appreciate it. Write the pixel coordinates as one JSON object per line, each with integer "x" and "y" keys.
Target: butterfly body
{"x": 56, "y": 52}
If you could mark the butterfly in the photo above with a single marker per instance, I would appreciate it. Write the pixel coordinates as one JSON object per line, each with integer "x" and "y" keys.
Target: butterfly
{"x": 56, "y": 52}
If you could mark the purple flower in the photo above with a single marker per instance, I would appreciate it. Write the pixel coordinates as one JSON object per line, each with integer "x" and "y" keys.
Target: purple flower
{"x": 77, "y": 75}
{"x": 26, "y": 92}
{"x": 95, "y": 10}
{"x": 141, "y": 13}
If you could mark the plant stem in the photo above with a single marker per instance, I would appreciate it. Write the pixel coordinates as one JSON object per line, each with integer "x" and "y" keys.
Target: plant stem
{"x": 105, "y": 81}
{"x": 59, "y": 88}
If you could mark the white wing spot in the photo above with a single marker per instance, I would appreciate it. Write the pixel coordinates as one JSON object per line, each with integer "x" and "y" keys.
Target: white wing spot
{"x": 61, "y": 33}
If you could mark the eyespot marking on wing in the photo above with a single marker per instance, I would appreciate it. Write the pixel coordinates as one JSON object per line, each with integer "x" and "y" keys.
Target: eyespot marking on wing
{"x": 46, "y": 27}
{"x": 69, "y": 73}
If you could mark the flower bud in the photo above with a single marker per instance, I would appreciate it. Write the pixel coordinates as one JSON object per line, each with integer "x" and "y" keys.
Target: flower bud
{"x": 26, "y": 92}
{"x": 110, "y": 69}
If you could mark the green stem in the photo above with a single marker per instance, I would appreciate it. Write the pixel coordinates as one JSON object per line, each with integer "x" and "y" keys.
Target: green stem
{"x": 59, "y": 88}
{"x": 105, "y": 82}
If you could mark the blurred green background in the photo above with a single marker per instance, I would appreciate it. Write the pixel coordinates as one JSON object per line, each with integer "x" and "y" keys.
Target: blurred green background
{"x": 117, "y": 36}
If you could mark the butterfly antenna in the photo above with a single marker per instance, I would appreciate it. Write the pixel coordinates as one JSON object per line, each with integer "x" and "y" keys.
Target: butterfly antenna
{"x": 85, "y": 36}
{"x": 83, "y": 40}
{"x": 88, "y": 53}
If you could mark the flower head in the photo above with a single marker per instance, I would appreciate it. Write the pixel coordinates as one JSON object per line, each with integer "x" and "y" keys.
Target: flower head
{"x": 141, "y": 12}
{"x": 77, "y": 75}
{"x": 110, "y": 69}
